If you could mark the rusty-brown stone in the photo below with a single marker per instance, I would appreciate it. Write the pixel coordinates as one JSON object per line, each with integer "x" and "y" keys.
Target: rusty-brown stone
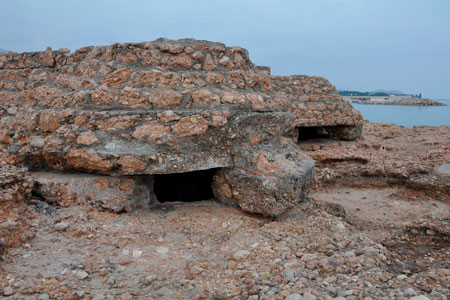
{"x": 131, "y": 164}
{"x": 150, "y": 131}
{"x": 49, "y": 121}
{"x": 87, "y": 138}
{"x": 188, "y": 126}
{"x": 80, "y": 159}
{"x": 163, "y": 98}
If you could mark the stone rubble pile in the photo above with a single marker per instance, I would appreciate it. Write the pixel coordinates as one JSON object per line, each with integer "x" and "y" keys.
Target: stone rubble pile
{"x": 15, "y": 190}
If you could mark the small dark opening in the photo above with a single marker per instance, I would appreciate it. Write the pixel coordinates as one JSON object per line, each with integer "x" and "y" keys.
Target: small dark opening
{"x": 309, "y": 133}
{"x": 184, "y": 187}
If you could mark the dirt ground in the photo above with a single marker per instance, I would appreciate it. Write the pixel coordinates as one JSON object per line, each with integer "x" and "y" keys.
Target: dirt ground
{"x": 358, "y": 236}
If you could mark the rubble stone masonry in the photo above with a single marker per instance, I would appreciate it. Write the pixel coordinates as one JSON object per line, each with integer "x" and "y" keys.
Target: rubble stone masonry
{"x": 129, "y": 111}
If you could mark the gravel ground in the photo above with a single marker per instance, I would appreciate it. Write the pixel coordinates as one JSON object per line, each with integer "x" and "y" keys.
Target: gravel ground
{"x": 203, "y": 250}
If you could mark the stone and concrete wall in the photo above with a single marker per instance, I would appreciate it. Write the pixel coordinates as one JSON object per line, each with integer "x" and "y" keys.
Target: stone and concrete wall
{"x": 166, "y": 107}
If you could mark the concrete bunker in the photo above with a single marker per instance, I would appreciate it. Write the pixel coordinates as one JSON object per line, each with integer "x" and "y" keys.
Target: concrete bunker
{"x": 184, "y": 187}
{"x": 97, "y": 124}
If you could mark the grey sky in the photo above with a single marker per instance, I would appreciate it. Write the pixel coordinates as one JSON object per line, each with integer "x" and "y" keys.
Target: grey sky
{"x": 356, "y": 44}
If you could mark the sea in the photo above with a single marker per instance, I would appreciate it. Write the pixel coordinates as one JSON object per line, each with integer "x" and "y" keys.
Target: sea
{"x": 407, "y": 116}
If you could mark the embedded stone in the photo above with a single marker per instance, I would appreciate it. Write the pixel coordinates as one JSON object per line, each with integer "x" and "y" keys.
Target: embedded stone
{"x": 151, "y": 131}
{"x": 131, "y": 164}
{"x": 117, "y": 78}
{"x": 163, "y": 98}
{"x": 188, "y": 126}
{"x": 102, "y": 95}
{"x": 81, "y": 159}
{"x": 205, "y": 96}
{"x": 209, "y": 64}
{"x": 48, "y": 121}
{"x": 180, "y": 60}
{"x": 168, "y": 116}
{"x": 87, "y": 138}
{"x": 115, "y": 123}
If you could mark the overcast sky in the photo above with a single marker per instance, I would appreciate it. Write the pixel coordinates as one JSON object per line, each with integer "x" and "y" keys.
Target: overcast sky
{"x": 357, "y": 44}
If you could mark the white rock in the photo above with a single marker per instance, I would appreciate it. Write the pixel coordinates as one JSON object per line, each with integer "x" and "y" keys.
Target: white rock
{"x": 410, "y": 292}
{"x": 420, "y": 297}
{"x": 82, "y": 275}
{"x": 289, "y": 274}
{"x": 12, "y": 110}
{"x": 240, "y": 254}
{"x": 61, "y": 226}
{"x": 80, "y": 294}
{"x": 401, "y": 277}
{"x": 340, "y": 227}
{"x": 371, "y": 251}
{"x": 43, "y": 297}
{"x": 8, "y": 291}
{"x": 162, "y": 250}
{"x": 137, "y": 253}
{"x": 294, "y": 297}
{"x": 308, "y": 296}
{"x": 224, "y": 60}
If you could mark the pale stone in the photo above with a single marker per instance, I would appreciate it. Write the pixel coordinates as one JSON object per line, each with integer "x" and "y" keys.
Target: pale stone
{"x": 162, "y": 250}
{"x": 294, "y": 297}
{"x": 81, "y": 275}
{"x": 241, "y": 254}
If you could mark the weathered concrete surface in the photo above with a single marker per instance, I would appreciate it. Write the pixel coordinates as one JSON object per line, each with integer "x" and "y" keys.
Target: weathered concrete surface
{"x": 164, "y": 107}
{"x": 111, "y": 193}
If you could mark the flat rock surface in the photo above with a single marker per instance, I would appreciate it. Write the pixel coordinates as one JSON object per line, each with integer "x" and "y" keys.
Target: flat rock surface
{"x": 386, "y": 154}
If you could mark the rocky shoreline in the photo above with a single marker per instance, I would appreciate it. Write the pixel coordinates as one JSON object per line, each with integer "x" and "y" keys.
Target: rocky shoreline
{"x": 376, "y": 226}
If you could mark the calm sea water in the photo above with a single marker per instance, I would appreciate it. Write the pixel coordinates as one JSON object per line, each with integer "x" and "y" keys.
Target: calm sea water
{"x": 407, "y": 116}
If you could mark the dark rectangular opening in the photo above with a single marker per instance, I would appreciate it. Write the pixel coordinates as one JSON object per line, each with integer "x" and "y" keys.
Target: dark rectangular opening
{"x": 313, "y": 132}
{"x": 184, "y": 187}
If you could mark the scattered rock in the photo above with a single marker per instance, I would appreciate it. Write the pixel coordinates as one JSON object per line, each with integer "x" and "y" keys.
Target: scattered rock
{"x": 241, "y": 254}
{"x": 294, "y": 297}
{"x": 289, "y": 274}
{"x": 43, "y": 297}
{"x": 61, "y": 226}
{"x": 137, "y": 253}
{"x": 340, "y": 227}
{"x": 421, "y": 297}
{"x": 308, "y": 296}
{"x": 8, "y": 291}
{"x": 81, "y": 275}
{"x": 162, "y": 250}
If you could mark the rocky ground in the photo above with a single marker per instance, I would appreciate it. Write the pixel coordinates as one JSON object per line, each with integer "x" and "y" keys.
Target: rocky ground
{"x": 377, "y": 226}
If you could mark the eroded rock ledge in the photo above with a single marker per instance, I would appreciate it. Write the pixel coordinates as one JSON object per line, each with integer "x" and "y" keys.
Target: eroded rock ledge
{"x": 126, "y": 112}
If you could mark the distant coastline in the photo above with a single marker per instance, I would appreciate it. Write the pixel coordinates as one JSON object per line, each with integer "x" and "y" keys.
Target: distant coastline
{"x": 392, "y": 100}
